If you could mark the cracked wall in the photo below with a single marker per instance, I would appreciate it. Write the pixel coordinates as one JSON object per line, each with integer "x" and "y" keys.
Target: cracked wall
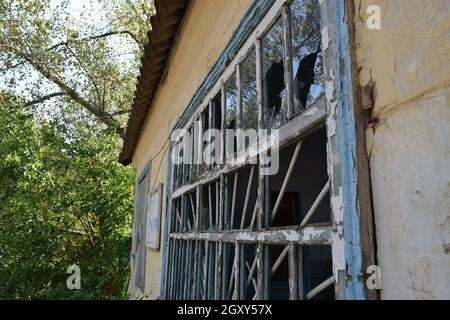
{"x": 409, "y": 145}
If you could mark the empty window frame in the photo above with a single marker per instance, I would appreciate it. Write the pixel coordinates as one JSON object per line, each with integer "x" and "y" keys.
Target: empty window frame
{"x": 253, "y": 236}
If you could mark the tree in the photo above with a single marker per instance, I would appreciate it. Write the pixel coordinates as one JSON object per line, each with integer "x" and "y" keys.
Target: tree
{"x": 64, "y": 200}
{"x": 90, "y": 60}
{"x": 66, "y": 85}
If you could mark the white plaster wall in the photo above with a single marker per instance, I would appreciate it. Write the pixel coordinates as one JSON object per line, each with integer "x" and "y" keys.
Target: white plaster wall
{"x": 409, "y": 148}
{"x": 410, "y": 163}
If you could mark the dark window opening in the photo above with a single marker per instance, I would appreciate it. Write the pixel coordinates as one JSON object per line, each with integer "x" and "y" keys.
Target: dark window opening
{"x": 209, "y": 213}
{"x": 189, "y": 212}
{"x": 248, "y": 272}
{"x": 307, "y": 180}
{"x": 242, "y": 188}
{"x": 278, "y": 273}
{"x": 317, "y": 267}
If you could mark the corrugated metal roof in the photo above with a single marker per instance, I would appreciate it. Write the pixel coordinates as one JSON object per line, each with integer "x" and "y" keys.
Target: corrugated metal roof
{"x": 165, "y": 24}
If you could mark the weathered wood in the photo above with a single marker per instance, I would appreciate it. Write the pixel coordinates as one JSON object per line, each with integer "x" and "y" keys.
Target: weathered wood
{"x": 197, "y": 208}
{"x": 301, "y": 284}
{"x": 218, "y": 282}
{"x": 237, "y": 270}
{"x": 170, "y": 285}
{"x": 217, "y": 204}
{"x": 194, "y": 274}
{"x": 205, "y": 271}
{"x": 188, "y": 270}
{"x": 210, "y": 207}
{"x": 223, "y": 124}
{"x": 238, "y": 106}
{"x": 310, "y": 235}
{"x": 287, "y": 60}
{"x": 260, "y": 271}
{"x": 247, "y": 196}
{"x": 233, "y": 201}
{"x": 183, "y": 274}
{"x": 367, "y": 226}
{"x": 221, "y": 200}
{"x": 293, "y": 274}
{"x": 169, "y": 216}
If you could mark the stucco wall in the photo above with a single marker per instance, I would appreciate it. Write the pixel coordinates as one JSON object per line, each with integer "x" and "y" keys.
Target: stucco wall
{"x": 204, "y": 35}
{"x": 409, "y": 149}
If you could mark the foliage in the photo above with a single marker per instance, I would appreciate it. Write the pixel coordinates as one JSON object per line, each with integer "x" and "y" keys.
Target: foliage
{"x": 88, "y": 57}
{"x": 66, "y": 86}
{"x": 64, "y": 200}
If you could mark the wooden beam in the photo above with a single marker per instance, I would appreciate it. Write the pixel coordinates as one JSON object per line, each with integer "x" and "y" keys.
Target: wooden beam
{"x": 310, "y": 235}
{"x": 205, "y": 271}
{"x": 237, "y": 270}
{"x": 293, "y": 274}
{"x": 287, "y": 59}
{"x": 233, "y": 201}
{"x": 247, "y": 196}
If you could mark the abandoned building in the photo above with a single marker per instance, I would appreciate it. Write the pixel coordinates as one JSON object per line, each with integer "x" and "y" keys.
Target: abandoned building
{"x": 359, "y": 206}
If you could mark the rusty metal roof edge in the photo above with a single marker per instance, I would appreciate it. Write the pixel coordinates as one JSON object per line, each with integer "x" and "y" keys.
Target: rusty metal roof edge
{"x": 161, "y": 35}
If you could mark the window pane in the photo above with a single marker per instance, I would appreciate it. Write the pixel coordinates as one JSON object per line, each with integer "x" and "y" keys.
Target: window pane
{"x": 217, "y": 124}
{"x": 230, "y": 110}
{"x": 249, "y": 93}
{"x": 307, "y": 66}
{"x": 274, "y": 91}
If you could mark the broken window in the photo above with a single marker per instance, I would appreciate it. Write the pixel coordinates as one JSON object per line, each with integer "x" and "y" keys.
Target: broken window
{"x": 274, "y": 89}
{"x": 307, "y": 66}
{"x": 240, "y": 198}
{"x": 249, "y": 93}
{"x": 230, "y": 113}
{"x": 237, "y": 233}
{"x": 216, "y": 123}
{"x": 209, "y": 215}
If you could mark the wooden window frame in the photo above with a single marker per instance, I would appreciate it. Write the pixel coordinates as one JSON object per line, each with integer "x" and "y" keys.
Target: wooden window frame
{"x": 324, "y": 111}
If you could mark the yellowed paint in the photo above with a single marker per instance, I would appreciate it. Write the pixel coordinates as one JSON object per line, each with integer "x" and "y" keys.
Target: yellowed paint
{"x": 206, "y": 30}
{"x": 409, "y": 150}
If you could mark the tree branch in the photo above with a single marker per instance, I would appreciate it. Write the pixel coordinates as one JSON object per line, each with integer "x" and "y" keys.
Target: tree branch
{"x": 100, "y": 36}
{"x": 45, "y": 98}
{"x": 120, "y": 112}
{"x": 101, "y": 115}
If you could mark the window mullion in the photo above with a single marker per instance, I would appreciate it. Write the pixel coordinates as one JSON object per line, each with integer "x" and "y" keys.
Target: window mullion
{"x": 287, "y": 60}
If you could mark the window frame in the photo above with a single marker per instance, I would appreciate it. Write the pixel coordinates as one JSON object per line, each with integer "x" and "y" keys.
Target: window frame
{"x": 321, "y": 112}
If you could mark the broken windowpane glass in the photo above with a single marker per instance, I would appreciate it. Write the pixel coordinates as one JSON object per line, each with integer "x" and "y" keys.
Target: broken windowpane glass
{"x": 230, "y": 111}
{"x": 307, "y": 68}
{"x": 274, "y": 90}
{"x": 249, "y": 92}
